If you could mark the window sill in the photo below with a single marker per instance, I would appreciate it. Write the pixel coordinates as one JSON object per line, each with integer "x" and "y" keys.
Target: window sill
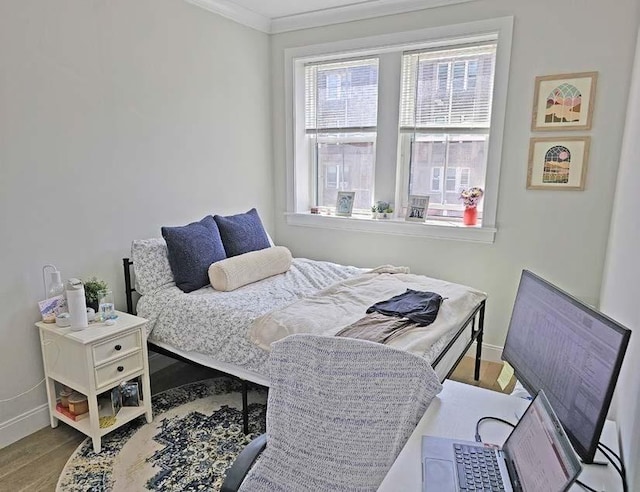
{"x": 437, "y": 229}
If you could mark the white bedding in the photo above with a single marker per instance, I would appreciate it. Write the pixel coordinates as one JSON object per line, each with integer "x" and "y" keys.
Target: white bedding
{"x": 216, "y": 323}
{"x": 330, "y": 310}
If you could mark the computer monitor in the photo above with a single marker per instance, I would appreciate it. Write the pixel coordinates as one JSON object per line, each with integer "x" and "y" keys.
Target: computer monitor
{"x": 571, "y": 351}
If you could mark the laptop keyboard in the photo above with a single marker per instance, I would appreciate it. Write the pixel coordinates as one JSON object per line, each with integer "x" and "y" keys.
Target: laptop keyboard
{"x": 477, "y": 468}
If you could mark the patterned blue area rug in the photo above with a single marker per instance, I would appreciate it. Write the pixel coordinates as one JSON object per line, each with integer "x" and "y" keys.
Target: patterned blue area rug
{"x": 194, "y": 438}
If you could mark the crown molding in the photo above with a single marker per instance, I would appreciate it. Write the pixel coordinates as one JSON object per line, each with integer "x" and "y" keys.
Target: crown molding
{"x": 366, "y": 9}
{"x": 236, "y": 13}
{"x": 354, "y": 12}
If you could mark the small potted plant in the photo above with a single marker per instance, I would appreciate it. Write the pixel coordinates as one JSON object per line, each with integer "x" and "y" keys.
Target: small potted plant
{"x": 93, "y": 290}
{"x": 382, "y": 209}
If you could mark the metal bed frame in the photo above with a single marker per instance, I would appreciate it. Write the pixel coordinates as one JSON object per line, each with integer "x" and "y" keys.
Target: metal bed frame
{"x": 477, "y": 333}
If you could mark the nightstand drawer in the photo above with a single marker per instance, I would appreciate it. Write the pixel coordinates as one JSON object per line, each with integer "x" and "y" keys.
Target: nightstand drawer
{"x": 118, "y": 369}
{"x": 116, "y": 347}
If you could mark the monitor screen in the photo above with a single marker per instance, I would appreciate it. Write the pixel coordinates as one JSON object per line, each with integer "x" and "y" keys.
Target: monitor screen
{"x": 571, "y": 351}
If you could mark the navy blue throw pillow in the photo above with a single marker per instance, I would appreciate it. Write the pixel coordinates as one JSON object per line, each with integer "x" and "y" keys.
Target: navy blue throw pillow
{"x": 192, "y": 249}
{"x": 242, "y": 233}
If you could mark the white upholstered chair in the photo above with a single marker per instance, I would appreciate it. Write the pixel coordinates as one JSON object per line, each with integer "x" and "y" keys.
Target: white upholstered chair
{"x": 339, "y": 412}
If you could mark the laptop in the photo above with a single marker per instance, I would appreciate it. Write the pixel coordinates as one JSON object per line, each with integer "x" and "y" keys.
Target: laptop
{"x": 536, "y": 457}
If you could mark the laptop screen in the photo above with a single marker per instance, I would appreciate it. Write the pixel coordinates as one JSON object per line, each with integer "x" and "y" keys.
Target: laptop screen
{"x": 539, "y": 452}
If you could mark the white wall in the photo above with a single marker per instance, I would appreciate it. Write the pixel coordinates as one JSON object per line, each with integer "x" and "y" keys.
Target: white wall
{"x": 559, "y": 235}
{"x": 116, "y": 117}
{"x": 620, "y": 288}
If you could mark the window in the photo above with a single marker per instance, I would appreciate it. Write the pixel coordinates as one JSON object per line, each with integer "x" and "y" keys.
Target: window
{"x": 341, "y": 114}
{"x": 447, "y": 126}
{"x": 423, "y": 130}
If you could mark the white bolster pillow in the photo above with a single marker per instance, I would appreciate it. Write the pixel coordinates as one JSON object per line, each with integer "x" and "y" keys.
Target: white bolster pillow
{"x": 234, "y": 272}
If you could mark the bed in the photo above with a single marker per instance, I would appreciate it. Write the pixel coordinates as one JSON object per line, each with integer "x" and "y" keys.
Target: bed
{"x": 213, "y": 328}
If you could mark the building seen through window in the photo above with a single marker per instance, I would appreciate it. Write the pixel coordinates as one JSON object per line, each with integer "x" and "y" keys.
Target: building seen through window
{"x": 443, "y": 133}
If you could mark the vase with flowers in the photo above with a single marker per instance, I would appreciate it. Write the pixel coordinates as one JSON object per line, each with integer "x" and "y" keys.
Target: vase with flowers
{"x": 470, "y": 198}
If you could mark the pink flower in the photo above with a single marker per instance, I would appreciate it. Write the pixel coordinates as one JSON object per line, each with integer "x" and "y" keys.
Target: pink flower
{"x": 471, "y": 197}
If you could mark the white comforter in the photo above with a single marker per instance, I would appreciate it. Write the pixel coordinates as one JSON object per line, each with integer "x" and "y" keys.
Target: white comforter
{"x": 216, "y": 323}
{"x": 337, "y": 306}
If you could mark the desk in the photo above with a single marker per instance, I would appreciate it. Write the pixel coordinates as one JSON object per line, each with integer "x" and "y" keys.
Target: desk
{"x": 454, "y": 413}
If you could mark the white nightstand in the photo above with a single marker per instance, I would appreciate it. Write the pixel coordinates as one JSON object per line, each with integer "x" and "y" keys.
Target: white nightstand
{"x": 93, "y": 361}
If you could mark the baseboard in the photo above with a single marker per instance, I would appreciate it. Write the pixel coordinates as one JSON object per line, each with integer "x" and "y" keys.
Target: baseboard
{"x": 491, "y": 353}
{"x": 158, "y": 362}
{"x": 22, "y": 425}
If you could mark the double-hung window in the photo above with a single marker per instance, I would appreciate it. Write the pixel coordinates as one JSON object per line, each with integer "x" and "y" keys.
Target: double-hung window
{"x": 341, "y": 111}
{"x": 445, "y": 122}
{"x": 394, "y": 116}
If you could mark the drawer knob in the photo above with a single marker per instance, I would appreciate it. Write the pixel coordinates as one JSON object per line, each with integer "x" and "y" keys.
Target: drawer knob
{"x": 118, "y": 347}
{"x": 120, "y": 368}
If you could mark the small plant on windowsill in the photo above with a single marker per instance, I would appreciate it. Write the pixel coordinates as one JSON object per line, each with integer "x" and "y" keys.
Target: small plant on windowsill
{"x": 381, "y": 210}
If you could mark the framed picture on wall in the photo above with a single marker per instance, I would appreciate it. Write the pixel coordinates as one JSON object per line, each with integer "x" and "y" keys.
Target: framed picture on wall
{"x": 558, "y": 163}
{"x": 344, "y": 203}
{"x": 564, "y": 102}
{"x": 417, "y": 208}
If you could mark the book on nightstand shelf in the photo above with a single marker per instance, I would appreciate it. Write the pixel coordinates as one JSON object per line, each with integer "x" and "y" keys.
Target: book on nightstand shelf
{"x": 65, "y": 411}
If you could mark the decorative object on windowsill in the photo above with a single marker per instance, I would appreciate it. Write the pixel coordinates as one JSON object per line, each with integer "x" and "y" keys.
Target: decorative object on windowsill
{"x": 558, "y": 163}
{"x": 470, "y": 198}
{"x": 417, "y": 208}
{"x": 381, "y": 210}
{"x": 93, "y": 290}
{"x": 344, "y": 203}
{"x": 315, "y": 210}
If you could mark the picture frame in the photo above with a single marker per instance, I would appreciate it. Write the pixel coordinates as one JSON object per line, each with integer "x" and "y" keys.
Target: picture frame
{"x": 116, "y": 401}
{"x": 564, "y": 102}
{"x": 417, "y": 208}
{"x": 558, "y": 163}
{"x": 50, "y": 308}
{"x": 344, "y": 203}
{"x": 130, "y": 394}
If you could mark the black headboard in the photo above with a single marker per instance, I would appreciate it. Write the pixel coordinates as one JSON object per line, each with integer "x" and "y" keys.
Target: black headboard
{"x": 128, "y": 287}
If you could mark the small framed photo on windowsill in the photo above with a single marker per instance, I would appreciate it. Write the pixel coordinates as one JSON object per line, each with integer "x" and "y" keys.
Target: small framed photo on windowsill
{"x": 344, "y": 203}
{"x": 417, "y": 208}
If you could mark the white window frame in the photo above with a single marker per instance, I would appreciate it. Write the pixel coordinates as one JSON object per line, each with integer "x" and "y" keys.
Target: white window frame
{"x": 299, "y": 176}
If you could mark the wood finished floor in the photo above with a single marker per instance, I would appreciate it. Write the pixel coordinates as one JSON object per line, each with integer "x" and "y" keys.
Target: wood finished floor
{"x": 35, "y": 462}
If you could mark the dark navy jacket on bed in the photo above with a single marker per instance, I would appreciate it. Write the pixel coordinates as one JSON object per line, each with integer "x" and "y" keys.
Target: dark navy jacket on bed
{"x": 421, "y": 307}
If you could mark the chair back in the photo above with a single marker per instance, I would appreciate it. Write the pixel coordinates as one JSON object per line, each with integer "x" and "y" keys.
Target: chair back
{"x": 339, "y": 412}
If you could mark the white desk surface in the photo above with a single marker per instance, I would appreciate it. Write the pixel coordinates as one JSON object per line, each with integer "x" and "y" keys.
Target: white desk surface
{"x": 454, "y": 413}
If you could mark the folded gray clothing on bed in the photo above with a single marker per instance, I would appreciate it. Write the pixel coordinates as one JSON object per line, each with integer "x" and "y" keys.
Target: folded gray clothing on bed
{"x": 377, "y": 327}
{"x": 421, "y": 307}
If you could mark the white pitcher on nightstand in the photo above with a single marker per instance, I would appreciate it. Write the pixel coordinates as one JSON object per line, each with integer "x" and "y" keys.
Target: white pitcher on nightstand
{"x": 77, "y": 304}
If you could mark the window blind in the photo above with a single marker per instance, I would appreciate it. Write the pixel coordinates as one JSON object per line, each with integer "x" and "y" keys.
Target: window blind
{"x": 341, "y": 96}
{"x": 448, "y": 88}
